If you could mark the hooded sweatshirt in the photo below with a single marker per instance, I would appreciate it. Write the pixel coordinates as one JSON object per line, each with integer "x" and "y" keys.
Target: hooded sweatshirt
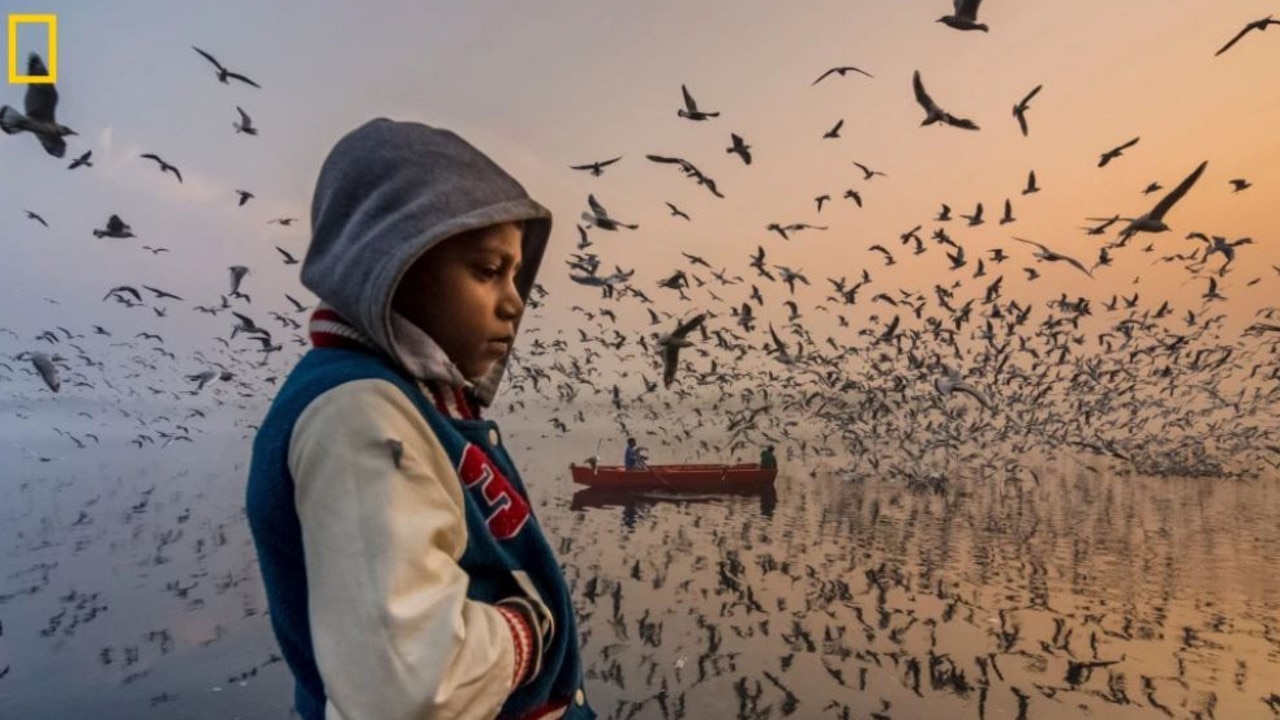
{"x": 406, "y": 574}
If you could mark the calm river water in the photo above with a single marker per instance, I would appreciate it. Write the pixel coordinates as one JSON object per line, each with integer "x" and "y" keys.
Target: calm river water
{"x": 129, "y": 588}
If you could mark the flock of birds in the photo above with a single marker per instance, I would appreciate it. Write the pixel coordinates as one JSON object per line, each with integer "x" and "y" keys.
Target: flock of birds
{"x": 950, "y": 379}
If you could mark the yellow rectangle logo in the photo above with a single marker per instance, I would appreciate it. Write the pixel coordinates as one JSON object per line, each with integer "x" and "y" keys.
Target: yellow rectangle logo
{"x": 51, "y": 21}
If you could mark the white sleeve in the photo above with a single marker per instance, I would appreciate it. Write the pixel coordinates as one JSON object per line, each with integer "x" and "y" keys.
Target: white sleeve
{"x": 383, "y": 527}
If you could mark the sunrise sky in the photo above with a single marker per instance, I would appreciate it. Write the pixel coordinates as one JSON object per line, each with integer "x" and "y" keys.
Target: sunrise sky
{"x": 541, "y": 86}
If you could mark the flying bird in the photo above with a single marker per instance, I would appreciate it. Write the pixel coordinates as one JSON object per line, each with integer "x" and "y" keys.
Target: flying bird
{"x": 1031, "y": 184}
{"x": 690, "y": 109}
{"x": 834, "y": 132}
{"x": 677, "y": 212}
{"x": 599, "y": 217}
{"x": 82, "y": 161}
{"x": 116, "y": 228}
{"x": 36, "y": 217}
{"x": 245, "y": 196}
{"x": 1020, "y": 110}
{"x": 596, "y": 168}
{"x": 934, "y": 113}
{"x": 245, "y": 125}
{"x": 841, "y": 71}
{"x": 1154, "y": 220}
{"x": 742, "y": 149}
{"x": 868, "y": 173}
{"x": 954, "y": 383}
{"x": 965, "y": 16}
{"x": 288, "y": 258}
{"x": 223, "y": 73}
{"x": 164, "y": 166}
{"x": 1238, "y": 184}
{"x": 237, "y": 274}
{"x": 1050, "y": 256}
{"x": 283, "y": 222}
{"x": 1259, "y": 25}
{"x": 672, "y": 343}
{"x": 40, "y": 104}
{"x": 1116, "y": 152}
{"x": 48, "y": 371}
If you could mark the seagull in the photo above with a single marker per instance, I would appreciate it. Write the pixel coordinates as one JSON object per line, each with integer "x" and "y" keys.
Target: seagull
{"x": 1031, "y": 184}
{"x": 935, "y": 113}
{"x": 821, "y": 199}
{"x": 1259, "y": 25}
{"x": 1051, "y": 256}
{"x": 954, "y": 383}
{"x": 1008, "y": 213}
{"x": 841, "y": 71}
{"x": 83, "y": 160}
{"x": 1153, "y": 187}
{"x": 834, "y": 132}
{"x": 48, "y": 371}
{"x": 116, "y": 228}
{"x": 965, "y": 17}
{"x": 690, "y": 170}
{"x": 976, "y": 218}
{"x": 1228, "y": 250}
{"x": 780, "y": 351}
{"x": 237, "y": 274}
{"x": 690, "y": 109}
{"x": 944, "y": 214}
{"x": 36, "y": 217}
{"x": 223, "y": 73}
{"x": 1239, "y": 184}
{"x": 672, "y": 343}
{"x": 596, "y": 168}
{"x": 1020, "y": 110}
{"x": 1154, "y": 220}
{"x": 202, "y": 378}
{"x": 245, "y": 196}
{"x": 741, "y": 148}
{"x": 164, "y": 166}
{"x": 41, "y": 104}
{"x": 599, "y": 217}
{"x": 1114, "y": 153}
{"x": 853, "y": 195}
{"x": 161, "y": 294}
{"x": 298, "y": 307}
{"x": 868, "y": 173}
{"x": 288, "y": 258}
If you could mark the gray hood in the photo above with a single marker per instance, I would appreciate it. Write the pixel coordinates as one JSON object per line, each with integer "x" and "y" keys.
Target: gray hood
{"x": 388, "y": 192}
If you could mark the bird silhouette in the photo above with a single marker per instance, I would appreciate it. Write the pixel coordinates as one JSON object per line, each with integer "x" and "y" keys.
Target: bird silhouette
{"x": 934, "y": 113}
{"x": 41, "y": 105}
{"x": 224, "y": 75}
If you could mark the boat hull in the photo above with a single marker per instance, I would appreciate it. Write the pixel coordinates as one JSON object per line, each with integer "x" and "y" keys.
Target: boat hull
{"x": 677, "y": 478}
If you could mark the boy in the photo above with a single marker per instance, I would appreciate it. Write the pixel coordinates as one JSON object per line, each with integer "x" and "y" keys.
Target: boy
{"x": 405, "y": 572}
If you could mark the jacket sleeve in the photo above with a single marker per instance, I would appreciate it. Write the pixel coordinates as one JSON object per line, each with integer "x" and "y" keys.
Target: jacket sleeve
{"x": 383, "y": 526}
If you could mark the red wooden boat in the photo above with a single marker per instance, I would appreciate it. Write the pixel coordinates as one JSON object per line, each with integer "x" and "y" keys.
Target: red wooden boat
{"x": 695, "y": 478}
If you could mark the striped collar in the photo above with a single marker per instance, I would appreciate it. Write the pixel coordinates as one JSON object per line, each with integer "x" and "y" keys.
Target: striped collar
{"x": 328, "y": 329}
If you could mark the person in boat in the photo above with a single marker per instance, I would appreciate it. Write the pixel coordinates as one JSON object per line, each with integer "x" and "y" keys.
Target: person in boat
{"x": 406, "y": 574}
{"x": 634, "y": 458}
{"x": 767, "y": 459}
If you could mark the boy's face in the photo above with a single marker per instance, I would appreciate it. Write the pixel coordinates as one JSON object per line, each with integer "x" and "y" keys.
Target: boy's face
{"x": 463, "y": 294}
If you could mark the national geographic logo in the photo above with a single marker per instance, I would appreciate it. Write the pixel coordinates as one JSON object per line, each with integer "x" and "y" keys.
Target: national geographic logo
{"x": 49, "y": 21}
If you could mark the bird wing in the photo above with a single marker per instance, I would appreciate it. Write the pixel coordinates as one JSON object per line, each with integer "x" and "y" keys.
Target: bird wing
{"x": 664, "y": 159}
{"x": 963, "y": 123}
{"x": 1032, "y": 242}
{"x": 689, "y": 103}
{"x": 1030, "y": 95}
{"x": 244, "y": 116}
{"x": 670, "y": 358}
{"x": 1234, "y": 40}
{"x": 777, "y": 341}
{"x": 1022, "y": 121}
{"x": 208, "y": 57}
{"x": 823, "y": 76}
{"x": 689, "y": 326}
{"x": 922, "y": 97}
{"x": 968, "y": 8}
{"x": 41, "y": 100}
{"x": 1176, "y": 194}
{"x": 596, "y": 208}
{"x": 243, "y": 79}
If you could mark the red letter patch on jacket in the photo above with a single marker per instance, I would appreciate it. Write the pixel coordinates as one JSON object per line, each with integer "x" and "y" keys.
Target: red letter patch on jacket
{"x": 508, "y": 509}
